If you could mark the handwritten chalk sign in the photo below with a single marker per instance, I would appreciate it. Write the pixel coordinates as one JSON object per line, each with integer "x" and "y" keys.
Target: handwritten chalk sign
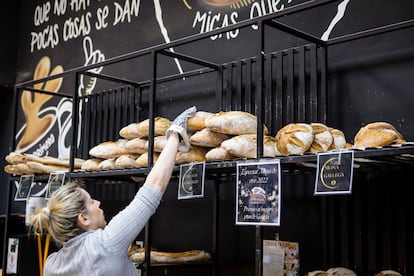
{"x": 258, "y": 193}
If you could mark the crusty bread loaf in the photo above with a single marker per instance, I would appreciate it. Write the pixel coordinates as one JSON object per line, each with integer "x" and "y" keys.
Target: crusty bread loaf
{"x": 142, "y": 160}
{"x": 158, "y": 257}
{"x": 219, "y": 154}
{"x": 335, "y": 271}
{"x": 340, "y": 271}
{"x": 136, "y": 145}
{"x": 294, "y": 138}
{"x": 388, "y": 273}
{"x": 40, "y": 168}
{"x": 322, "y": 138}
{"x": 197, "y": 122}
{"x": 378, "y": 134}
{"x": 19, "y": 169}
{"x": 339, "y": 140}
{"x": 15, "y": 158}
{"x": 126, "y": 161}
{"x": 109, "y": 149}
{"x": 129, "y": 131}
{"x": 161, "y": 141}
{"x": 245, "y": 146}
{"x": 141, "y": 129}
{"x": 208, "y": 138}
{"x": 233, "y": 123}
{"x": 161, "y": 125}
{"x": 91, "y": 164}
{"x": 317, "y": 273}
{"x": 195, "y": 154}
{"x": 107, "y": 164}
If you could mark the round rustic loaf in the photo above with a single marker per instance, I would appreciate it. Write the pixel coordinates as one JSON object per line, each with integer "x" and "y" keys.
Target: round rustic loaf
{"x": 294, "y": 138}
{"x": 322, "y": 139}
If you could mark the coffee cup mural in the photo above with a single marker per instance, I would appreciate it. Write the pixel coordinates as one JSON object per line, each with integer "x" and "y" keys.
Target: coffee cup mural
{"x": 38, "y": 119}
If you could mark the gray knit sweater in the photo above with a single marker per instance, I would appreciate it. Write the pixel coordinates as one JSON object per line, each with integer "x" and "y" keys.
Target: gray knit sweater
{"x": 104, "y": 251}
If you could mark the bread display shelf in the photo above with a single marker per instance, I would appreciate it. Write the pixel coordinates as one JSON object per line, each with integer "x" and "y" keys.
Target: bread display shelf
{"x": 177, "y": 266}
{"x": 314, "y": 54}
{"x": 390, "y": 155}
{"x": 382, "y": 156}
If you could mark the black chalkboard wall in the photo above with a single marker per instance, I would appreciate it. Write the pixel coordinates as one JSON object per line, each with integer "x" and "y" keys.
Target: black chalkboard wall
{"x": 370, "y": 79}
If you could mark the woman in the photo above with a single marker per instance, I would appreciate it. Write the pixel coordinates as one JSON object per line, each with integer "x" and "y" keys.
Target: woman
{"x": 77, "y": 223}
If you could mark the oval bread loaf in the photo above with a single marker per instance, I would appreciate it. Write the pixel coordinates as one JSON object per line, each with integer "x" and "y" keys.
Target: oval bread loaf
{"x": 219, "y": 154}
{"x": 197, "y": 122}
{"x": 233, "y": 123}
{"x": 109, "y": 149}
{"x": 245, "y": 146}
{"x": 208, "y": 138}
{"x": 378, "y": 134}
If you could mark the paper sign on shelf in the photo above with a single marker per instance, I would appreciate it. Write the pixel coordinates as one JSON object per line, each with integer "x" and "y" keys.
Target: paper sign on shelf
{"x": 55, "y": 181}
{"x": 24, "y": 187}
{"x": 334, "y": 173}
{"x": 12, "y": 255}
{"x": 191, "y": 184}
{"x": 258, "y": 193}
{"x": 280, "y": 258}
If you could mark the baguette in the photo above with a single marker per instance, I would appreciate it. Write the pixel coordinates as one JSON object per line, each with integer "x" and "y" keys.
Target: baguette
{"x": 158, "y": 257}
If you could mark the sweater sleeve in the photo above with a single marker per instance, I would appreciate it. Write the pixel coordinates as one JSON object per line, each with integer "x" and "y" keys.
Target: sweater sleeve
{"x": 127, "y": 224}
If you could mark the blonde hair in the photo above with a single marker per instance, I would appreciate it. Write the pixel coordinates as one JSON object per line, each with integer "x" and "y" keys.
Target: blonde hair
{"x": 59, "y": 218}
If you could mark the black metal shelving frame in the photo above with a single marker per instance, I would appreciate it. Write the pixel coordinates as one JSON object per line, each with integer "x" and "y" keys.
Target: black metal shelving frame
{"x": 259, "y": 64}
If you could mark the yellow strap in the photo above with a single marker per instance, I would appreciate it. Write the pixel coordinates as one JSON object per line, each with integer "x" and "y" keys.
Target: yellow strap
{"x": 46, "y": 252}
{"x": 42, "y": 256}
{"x": 39, "y": 252}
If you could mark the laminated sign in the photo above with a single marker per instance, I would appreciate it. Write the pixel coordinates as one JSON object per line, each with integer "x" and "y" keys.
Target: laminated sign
{"x": 191, "y": 180}
{"x": 258, "y": 193}
{"x": 334, "y": 173}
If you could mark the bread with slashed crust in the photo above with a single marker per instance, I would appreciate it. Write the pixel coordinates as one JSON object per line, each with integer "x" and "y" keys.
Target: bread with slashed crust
{"x": 294, "y": 138}
{"x": 378, "y": 134}
{"x": 322, "y": 138}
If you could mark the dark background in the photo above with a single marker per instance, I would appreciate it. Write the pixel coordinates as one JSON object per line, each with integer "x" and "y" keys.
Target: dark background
{"x": 368, "y": 80}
